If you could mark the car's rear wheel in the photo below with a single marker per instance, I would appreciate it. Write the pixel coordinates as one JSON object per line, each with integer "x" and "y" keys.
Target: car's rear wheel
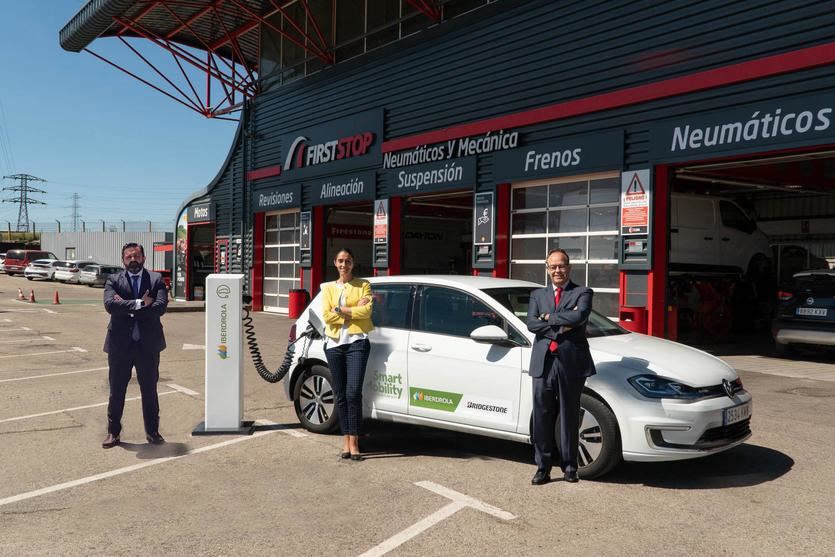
{"x": 29, "y": 278}
{"x": 315, "y": 401}
{"x": 600, "y": 447}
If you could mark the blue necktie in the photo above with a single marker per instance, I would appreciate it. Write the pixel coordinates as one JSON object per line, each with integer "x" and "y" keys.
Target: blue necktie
{"x": 135, "y": 333}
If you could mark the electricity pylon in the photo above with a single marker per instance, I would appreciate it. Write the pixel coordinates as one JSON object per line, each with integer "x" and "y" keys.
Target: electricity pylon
{"x": 23, "y": 199}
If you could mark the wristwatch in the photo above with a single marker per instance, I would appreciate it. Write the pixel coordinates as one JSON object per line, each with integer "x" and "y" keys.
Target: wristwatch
{"x": 336, "y": 309}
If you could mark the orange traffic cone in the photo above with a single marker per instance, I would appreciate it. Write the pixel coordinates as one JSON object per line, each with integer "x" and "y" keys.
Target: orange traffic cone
{"x": 55, "y": 299}
{"x": 20, "y": 295}
{"x": 32, "y": 296}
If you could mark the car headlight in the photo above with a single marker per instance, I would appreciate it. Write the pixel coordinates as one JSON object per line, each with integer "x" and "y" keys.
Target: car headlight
{"x": 654, "y": 386}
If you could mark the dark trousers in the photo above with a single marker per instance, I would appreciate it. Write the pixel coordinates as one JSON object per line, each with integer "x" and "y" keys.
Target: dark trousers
{"x": 147, "y": 375}
{"x": 552, "y": 393}
{"x": 347, "y": 364}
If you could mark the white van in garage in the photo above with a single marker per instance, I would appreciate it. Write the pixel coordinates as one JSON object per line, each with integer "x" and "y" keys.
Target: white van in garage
{"x": 713, "y": 234}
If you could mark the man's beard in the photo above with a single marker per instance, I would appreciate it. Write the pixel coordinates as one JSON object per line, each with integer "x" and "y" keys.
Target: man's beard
{"x": 134, "y": 267}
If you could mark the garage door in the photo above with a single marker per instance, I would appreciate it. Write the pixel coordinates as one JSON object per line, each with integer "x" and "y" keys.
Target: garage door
{"x": 578, "y": 214}
{"x": 281, "y": 259}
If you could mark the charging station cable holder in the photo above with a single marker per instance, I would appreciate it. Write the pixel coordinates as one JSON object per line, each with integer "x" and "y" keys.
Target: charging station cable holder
{"x": 224, "y": 358}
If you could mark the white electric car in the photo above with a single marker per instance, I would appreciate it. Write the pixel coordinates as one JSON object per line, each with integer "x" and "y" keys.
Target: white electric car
{"x": 452, "y": 352}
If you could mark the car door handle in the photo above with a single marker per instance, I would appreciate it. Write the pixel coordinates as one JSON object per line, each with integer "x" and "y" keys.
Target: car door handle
{"x": 708, "y": 237}
{"x": 421, "y": 347}
{"x": 726, "y": 239}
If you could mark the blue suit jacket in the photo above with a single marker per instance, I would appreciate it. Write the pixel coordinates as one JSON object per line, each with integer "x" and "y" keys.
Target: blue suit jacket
{"x": 566, "y": 324}
{"x": 123, "y": 315}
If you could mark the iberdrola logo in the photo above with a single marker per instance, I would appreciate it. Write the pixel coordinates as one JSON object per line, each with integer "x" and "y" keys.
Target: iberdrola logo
{"x": 436, "y": 400}
{"x": 221, "y": 351}
{"x": 418, "y": 395}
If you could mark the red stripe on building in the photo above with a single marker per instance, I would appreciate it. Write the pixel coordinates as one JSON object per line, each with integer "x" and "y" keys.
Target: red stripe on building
{"x": 797, "y": 60}
{"x": 266, "y": 172}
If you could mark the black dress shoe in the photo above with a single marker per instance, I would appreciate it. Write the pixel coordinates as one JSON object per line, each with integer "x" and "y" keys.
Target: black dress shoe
{"x": 356, "y": 456}
{"x": 110, "y": 441}
{"x": 155, "y": 438}
{"x": 541, "y": 478}
{"x": 346, "y": 455}
{"x": 571, "y": 476}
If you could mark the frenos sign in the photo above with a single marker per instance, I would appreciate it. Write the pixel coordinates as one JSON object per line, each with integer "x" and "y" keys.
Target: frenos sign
{"x": 783, "y": 123}
{"x": 337, "y": 146}
{"x": 572, "y": 155}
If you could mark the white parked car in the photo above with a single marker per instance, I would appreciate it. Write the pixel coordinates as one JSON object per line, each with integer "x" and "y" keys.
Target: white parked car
{"x": 68, "y": 271}
{"x": 714, "y": 234}
{"x": 41, "y": 269}
{"x": 453, "y": 352}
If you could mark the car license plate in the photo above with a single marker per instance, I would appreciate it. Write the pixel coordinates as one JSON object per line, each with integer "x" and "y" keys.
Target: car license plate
{"x": 737, "y": 413}
{"x": 817, "y": 312}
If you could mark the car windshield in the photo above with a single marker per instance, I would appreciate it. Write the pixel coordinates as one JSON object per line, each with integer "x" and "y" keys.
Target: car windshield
{"x": 516, "y": 300}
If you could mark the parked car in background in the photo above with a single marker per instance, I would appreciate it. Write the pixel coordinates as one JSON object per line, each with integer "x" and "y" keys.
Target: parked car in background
{"x": 41, "y": 269}
{"x": 96, "y": 275}
{"x": 68, "y": 271}
{"x": 806, "y": 314}
{"x": 2, "y": 262}
{"x": 790, "y": 259}
{"x": 452, "y": 352}
{"x": 17, "y": 259}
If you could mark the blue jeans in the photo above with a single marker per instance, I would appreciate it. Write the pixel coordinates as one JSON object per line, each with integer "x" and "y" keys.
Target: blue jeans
{"x": 347, "y": 364}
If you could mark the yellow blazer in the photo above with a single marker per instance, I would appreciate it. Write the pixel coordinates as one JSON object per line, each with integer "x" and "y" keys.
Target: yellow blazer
{"x": 360, "y": 322}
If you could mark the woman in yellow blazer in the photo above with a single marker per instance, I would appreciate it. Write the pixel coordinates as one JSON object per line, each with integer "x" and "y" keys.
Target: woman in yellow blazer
{"x": 347, "y": 307}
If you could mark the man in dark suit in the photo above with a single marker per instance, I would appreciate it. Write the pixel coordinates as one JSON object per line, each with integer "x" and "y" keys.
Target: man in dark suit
{"x": 135, "y": 299}
{"x": 560, "y": 364}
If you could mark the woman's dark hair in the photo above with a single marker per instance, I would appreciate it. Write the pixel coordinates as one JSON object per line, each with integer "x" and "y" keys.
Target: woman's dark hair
{"x": 346, "y": 250}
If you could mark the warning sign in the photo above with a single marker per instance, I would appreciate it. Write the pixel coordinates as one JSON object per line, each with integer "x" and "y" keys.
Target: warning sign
{"x": 381, "y": 221}
{"x": 634, "y": 202}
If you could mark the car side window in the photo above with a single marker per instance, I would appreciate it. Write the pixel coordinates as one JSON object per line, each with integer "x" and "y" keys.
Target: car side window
{"x": 391, "y": 305}
{"x": 733, "y": 217}
{"x": 447, "y": 311}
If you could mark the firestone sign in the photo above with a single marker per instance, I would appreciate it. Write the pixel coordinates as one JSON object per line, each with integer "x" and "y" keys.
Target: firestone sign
{"x": 338, "y": 146}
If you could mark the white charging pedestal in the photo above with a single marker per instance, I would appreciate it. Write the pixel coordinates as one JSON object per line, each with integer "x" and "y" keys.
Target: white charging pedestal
{"x": 224, "y": 358}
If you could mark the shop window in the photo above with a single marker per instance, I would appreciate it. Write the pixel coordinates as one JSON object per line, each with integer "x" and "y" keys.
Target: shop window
{"x": 528, "y": 248}
{"x": 567, "y": 220}
{"x": 281, "y": 259}
{"x": 350, "y": 28}
{"x": 603, "y": 247}
{"x": 530, "y": 198}
{"x": 533, "y": 272}
{"x": 603, "y": 275}
{"x": 603, "y": 218}
{"x": 606, "y": 190}
{"x": 574, "y": 246}
{"x": 529, "y": 223}
{"x": 568, "y": 194}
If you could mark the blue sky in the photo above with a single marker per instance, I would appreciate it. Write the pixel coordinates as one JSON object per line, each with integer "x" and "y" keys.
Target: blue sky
{"x": 129, "y": 152}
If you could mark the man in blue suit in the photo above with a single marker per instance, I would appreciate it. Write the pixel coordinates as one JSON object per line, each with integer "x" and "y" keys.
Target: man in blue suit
{"x": 560, "y": 363}
{"x": 135, "y": 299}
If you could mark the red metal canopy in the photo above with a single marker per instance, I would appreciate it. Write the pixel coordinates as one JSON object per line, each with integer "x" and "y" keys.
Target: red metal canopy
{"x": 213, "y": 41}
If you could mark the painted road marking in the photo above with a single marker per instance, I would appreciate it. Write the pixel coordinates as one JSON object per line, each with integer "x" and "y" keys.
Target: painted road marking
{"x": 46, "y": 337}
{"x": 177, "y": 389}
{"x": 132, "y": 468}
{"x": 53, "y": 374}
{"x": 5, "y": 321}
{"x": 194, "y": 346}
{"x": 20, "y": 340}
{"x": 73, "y": 349}
{"x": 182, "y": 389}
{"x": 32, "y": 310}
{"x": 19, "y": 329}
{"x": 459, "y": 501}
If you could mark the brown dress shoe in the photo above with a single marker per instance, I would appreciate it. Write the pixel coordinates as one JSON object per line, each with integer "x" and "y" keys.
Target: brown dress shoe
{"x": 110, "y": 441}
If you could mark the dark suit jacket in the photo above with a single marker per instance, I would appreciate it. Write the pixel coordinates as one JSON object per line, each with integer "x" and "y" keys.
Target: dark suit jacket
{"x": 566, "y": 324}
{"x": 123, "y": 315}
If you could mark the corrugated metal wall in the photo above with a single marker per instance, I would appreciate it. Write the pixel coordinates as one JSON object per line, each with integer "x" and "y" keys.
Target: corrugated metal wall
{"x": 106, "y": 247}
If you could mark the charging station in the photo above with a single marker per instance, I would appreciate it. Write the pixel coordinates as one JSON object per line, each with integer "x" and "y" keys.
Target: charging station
{"x": 224, "y": 358}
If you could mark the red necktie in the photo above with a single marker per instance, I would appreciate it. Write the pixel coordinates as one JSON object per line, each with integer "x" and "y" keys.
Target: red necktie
{"x": 557, "y": 293}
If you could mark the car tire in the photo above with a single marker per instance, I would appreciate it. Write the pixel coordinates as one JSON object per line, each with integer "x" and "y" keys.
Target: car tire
{"x": 29, "y": 278}
{"x": 315, "y": 401}
{"x": 600, "y": 446}
{"x": 787, "y": 351}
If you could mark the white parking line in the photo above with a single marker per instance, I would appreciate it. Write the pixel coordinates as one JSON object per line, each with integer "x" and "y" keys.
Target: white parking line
{"x": 127, "y": 469}
{"x": 73, "y": 349}
{"x": 28, "y": 310}
{"x": 182, "y": 389}
{"x": 46, "y": 337}
{"x": 5, "y": 321}
{"x": 194, "y": 346}
{"x": 18, "y": 329}
{"x": 52, "y": 374}
{"x": 459, "y": 501}
{"x": 20, "y": 340}
{"x": 18, "y": 418}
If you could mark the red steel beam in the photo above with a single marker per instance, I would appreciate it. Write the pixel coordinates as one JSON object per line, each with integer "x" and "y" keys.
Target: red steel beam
{"x": 140, "y": 15}
{"x": 427, "y": 7}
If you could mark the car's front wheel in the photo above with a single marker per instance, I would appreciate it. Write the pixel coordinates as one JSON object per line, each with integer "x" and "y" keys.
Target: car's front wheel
{"x": 600, "y": 447}
{"x": 315, "y": 401}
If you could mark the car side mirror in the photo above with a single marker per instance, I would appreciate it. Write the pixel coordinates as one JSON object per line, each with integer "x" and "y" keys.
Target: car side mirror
{"x": 489, "y": 333}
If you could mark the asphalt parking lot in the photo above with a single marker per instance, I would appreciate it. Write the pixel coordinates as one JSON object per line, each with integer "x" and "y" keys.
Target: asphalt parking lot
{"x": 285, "y": 491}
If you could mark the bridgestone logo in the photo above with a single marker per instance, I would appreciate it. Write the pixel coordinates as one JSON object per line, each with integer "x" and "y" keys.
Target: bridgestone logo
{"x": 487, "y": 407}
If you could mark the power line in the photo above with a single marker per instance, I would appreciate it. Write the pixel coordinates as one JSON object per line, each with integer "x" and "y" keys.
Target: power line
{"x": 23, "y": 199}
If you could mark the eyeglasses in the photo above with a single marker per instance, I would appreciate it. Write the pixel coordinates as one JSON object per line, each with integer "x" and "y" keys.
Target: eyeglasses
{"x": 555, "y": 267}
